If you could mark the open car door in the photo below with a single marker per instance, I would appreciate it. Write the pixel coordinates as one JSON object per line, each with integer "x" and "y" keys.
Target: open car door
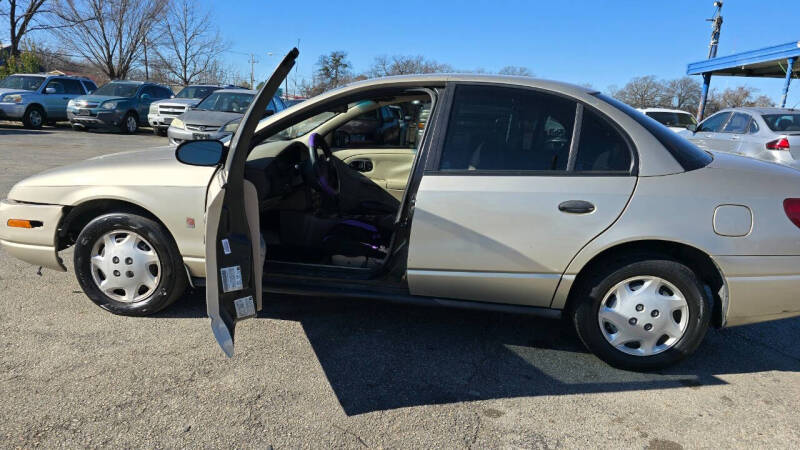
{"x": 234, "y": 258}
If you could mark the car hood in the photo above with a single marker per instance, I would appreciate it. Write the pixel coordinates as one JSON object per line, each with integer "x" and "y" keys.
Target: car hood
{"x": 209, "y": 118}
{"x": 13, "y": 91}
{"x": 98, "y": 98}
{"x": 118, "y": 170}
{"x": 178, "y": 101}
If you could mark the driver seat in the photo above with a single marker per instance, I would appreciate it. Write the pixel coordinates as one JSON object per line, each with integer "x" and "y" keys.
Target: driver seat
{"x": 354, "y": 237}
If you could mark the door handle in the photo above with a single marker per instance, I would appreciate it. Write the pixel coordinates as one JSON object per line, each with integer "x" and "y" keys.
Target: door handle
{"x": 576, "y": 207}
{"x": 361, "y": 165}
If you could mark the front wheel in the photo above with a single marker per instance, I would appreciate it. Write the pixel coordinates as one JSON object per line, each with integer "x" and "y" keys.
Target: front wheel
{"x": 129, "y": 264}
{"x": 129, "y": 123}
{"x": 34, "y": 117}
{"x": 646, "y": 314}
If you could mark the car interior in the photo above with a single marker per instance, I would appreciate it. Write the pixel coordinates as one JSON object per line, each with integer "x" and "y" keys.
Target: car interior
{"x": 330, "y": 187}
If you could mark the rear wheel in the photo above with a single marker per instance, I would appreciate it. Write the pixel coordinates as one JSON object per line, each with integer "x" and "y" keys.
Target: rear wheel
{"x": 129, "y": 123}
{"x": 159, "y": 131}
{"x": 34, "y": 117}
{"x": 129, "y": 264}
{"x": 644, "y": 314}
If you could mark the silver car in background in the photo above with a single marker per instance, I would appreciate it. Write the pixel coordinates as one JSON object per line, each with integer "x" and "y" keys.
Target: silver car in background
{"x": 217, "y": 116}
{"x": 769, "y": 134}
{"x": 162, "y": 112}
{"x": 36, "y": 99}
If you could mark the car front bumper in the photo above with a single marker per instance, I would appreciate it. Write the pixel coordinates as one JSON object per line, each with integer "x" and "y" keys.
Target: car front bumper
{"x": 178, "y": 135}
{"x": 35, "y": 245}
{"x": 99, "y": 118}
{"x": 12, "y": 111}
{"x": 159, "y": 121}
{"x": 760, "y": 288}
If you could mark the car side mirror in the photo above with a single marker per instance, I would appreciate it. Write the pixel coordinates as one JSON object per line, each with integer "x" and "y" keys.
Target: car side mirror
{"x": 145, "y": 97}
{"x": 206, "y": 153}
{"x": 692, "y": 128}
{"x": 50, "y": 90}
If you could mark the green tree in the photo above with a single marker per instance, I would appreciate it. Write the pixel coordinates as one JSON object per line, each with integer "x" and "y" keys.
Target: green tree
{"x": 26, "y": 62}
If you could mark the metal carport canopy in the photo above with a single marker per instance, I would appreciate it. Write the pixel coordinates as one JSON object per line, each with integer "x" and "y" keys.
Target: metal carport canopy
{"x": 771, "y": 62}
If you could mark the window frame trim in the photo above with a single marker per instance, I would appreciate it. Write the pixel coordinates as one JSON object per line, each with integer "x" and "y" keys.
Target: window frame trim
{"x": 434, "y": 160}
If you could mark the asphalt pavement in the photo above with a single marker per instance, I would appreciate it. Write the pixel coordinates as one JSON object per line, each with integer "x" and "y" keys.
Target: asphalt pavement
{"x": 317, "y": 373}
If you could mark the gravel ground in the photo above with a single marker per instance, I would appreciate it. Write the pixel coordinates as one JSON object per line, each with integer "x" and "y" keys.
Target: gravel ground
{"x": 350, "y": 373}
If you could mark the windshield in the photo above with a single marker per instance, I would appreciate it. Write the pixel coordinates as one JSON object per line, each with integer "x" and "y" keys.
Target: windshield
{"x": 304, "y": 127}
{"x": 782, "y": 122}
{"x": 196, "y": 91}
{"x": 26, "y": 83}
{"x": 673, "y": 119}
{"x": 118, "y": 90}
{"x": 227, "y": 102}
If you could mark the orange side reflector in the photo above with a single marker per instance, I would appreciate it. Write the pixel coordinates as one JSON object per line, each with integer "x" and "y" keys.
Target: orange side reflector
{"x": 20, "y": 223}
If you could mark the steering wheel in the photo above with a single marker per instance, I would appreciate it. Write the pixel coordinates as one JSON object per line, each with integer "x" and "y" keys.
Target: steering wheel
{"x": 323, "y": 174}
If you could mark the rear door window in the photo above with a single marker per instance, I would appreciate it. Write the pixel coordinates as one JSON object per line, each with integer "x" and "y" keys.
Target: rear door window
{"x": 600, "y": 147}
{"x": 737, "y": 124}
{"x": 497, "y": 129}
{"x": 72, "y": 87}
{"x": 714, "y": 123}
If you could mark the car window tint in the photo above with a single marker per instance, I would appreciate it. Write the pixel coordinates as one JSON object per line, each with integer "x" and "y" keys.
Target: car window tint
{"x": 737, "y": 123}
{"x": 58, "y": 85}
{"x": 714, "y": 123}
{"x": 507, "y": 129}
{"x": 72, "y": 87}
{"x": 600, "y": 147}
{"x": 89, "y": 85}
{"x": 753, "y": 127}
{"x": 164, "y": 93}
{"x": 782, "y": 122}
{"x": 366, "y": 131}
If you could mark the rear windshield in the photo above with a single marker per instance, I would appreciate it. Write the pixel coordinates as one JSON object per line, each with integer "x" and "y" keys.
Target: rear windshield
{"x": 196, "y": 91}
{"x": 672, "y": 119}
{"x": 687, "y": 155}
{"x": 227, "y": 102}
{"x": 783, "y": 122}
{"x": 118, "y": 90}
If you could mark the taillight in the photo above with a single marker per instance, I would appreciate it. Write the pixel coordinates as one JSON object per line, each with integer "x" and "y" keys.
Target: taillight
{"x": 778, "y": 144}
{"x": 792, "y": 208}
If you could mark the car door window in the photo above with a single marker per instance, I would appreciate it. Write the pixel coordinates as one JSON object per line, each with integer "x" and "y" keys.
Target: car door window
{"x": 57, "y": 85}
{"x": 714, "y": 123}
{"x": 90, "y": 86}
{"x": 72, "y": 87}
{"x": 737, "y": 124}
{"x": 753, "y": 129}
{"x": 369, "y": 130}
{"x": 601, "y": 148}
{"x": 507, "y": 129}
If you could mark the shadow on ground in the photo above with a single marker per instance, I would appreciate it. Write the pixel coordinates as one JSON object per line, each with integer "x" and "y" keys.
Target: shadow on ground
{"x": 380, "y": 356}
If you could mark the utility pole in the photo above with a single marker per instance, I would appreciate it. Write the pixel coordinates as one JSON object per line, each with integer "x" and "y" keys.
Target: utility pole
{"x": 252, "y": 69}
{"x": 716, "y": 27}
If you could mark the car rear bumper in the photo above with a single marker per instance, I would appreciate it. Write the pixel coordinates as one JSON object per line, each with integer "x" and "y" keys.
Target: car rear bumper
{"x": 35, "y": 245}
{"x": 760, "y": 288}
{"x": 12, "y": 111}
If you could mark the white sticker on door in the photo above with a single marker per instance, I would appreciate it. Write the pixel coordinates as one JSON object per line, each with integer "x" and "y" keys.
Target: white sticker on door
{"x": 226, "y": 246}
{"x": 245, "y": 307}
{"x": 231, "y": 278}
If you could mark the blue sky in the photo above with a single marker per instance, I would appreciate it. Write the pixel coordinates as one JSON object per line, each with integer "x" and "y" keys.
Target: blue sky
{"x": 598, "y": 42}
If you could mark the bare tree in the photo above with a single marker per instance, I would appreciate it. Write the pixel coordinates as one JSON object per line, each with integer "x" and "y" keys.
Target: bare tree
{"x": 189, "y": 44}
{"x": 682, "y": 93}
{"x": 332, "y": 70}
{"x": 113, "y": 40}
{"x": 384, "y": 66}
{"x": 642, "y": 92}
{"x": 518, "y": 71}
{"x": 23, "y": 18}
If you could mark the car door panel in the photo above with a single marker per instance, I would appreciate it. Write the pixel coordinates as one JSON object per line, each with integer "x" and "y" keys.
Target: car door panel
{"x": 389, "y": 168}
{"x": 234, "y": 249}
{"x": 503, "y": 238}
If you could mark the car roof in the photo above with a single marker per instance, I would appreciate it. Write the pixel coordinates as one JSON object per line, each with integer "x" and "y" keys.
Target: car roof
{"x": 49, "y": 75}
{"x": 764, "y": 110}
{"x": 646, "y": 110}
{"x": 236, "y": 90}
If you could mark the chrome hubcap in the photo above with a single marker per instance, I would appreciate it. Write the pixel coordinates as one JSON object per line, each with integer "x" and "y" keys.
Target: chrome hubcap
{"x": 35, "y": 118}
{"x": 131, "y": 124}
{"x": 125, "y": 266}
{"x": 643, "y": 316}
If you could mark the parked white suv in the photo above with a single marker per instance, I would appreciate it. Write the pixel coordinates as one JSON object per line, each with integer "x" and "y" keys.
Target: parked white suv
{"x": 162, "y": 112}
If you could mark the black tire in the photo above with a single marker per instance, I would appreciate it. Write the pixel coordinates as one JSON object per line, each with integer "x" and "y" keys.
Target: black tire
{"x": 590, "y": 295}
{"x": 159, "y": 131}
{"x": 172, "y": 281}
{"x": 124, "y": 127}
{"x": 34, "y": 117}
{"x": 79, "y": 127}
